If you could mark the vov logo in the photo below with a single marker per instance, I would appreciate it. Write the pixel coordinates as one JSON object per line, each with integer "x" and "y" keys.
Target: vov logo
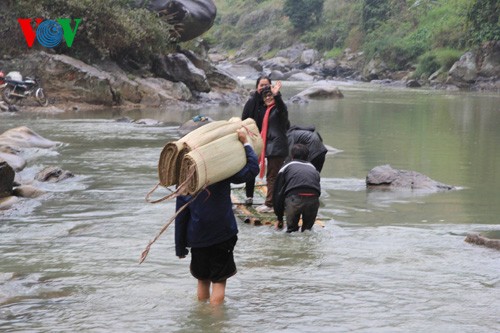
{"x": 49, "y": 33}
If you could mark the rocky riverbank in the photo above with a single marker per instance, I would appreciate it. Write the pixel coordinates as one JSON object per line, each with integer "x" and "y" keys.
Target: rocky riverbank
{"x": 186, "y": 79}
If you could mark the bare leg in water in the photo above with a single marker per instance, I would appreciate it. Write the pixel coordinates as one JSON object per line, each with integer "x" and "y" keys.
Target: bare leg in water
{"x": 218, "y": 291}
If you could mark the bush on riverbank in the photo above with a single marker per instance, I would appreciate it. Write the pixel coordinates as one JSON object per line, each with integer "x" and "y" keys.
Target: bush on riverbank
{"x": 110, "y": 29}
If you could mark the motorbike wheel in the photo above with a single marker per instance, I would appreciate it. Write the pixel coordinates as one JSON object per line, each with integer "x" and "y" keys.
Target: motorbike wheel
{"x": 41, "y": 98}
{"x": 6, "y": 96}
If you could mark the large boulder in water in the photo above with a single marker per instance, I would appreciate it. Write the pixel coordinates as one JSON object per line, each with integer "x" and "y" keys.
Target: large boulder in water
{"x": 193, "y": 124}
{"x": 23, "y": 137}
{"x": 385, "y": 176}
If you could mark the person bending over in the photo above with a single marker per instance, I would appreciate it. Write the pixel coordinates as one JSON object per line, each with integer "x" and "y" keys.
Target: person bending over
{"x": 297, "y": 191}
{"x": 307, "y": 135}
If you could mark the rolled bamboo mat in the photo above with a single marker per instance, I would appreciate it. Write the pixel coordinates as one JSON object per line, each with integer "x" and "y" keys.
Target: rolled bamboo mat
{"x": 216, "y": 160}
{"x": 169, "y": 165}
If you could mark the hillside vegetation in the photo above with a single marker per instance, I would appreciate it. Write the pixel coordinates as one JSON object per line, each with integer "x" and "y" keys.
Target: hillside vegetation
{"x": 428, "y": 34}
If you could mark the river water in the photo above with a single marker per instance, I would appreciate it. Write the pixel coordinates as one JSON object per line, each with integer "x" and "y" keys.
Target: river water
{"x": 384, "y": 261}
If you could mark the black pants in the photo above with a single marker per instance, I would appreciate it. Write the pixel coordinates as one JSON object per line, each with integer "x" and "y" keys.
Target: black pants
{"x": 274, "y": 165}
{"x": 297, "y": 206}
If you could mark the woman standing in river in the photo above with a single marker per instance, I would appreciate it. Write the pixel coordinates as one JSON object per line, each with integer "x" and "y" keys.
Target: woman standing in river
{"x": 270, "y": 113}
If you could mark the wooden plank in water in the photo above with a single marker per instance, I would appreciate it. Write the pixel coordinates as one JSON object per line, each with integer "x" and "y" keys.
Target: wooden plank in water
{"x": 248, "y": 214}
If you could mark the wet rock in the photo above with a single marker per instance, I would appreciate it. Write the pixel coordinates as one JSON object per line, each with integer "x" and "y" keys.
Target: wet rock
{"x": 319, "y": 91}
{"x": 413, "y": 84}
{"x": 16, "y": 162}
{"x": 8, "y": 202}
{"x": 385, "y": 176}
{"x": 480, "y": 240}
{"x": 148, "y": 122}
{"x": 193, "y": 124}
{"x": 23, "y": 137}
{"x": 27, "y": 191}
{"x": 53, "y": 174}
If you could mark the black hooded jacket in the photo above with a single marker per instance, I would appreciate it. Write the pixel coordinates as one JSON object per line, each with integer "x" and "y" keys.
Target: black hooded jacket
{"x": 308, "y": 136}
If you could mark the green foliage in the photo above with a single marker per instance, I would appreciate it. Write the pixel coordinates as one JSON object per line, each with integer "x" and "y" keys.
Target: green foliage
{"x": 375, "y": 12}
{"x": 398, "y": 48}
{"x": 326, "y": 37}
{"x": 303, "y": 13}
{"x": 483, "y": 19}
{"x": 434, "y": 60}
{"x": 427, "y": 65}
{"x": 109, "y": 28}
{"x": 334, "y": 53}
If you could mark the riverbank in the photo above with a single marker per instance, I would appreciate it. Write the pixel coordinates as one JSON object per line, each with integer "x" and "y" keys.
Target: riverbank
{"x": 185, "y": 80}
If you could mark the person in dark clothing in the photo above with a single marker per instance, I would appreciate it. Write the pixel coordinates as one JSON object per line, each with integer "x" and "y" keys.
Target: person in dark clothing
{"x": 208, "y": 226}
{"x": 251, "y": 110}
{"x": 297, "y": 191}
{"x": 308, "y": 136}
{"x": 273, "y": 129}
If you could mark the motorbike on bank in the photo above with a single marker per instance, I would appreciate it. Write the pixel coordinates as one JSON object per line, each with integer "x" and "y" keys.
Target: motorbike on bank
{"x": 2, "y": 80}
{"x": 16, "y": 89}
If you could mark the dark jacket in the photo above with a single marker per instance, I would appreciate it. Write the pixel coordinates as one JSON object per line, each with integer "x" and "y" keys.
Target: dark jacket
{"x": 308, "y": 136}
{"x": 209, "y": 219}
{"x": 276, "y": 142}
{"x": 293, "y": 178}
{"x": 251, "y": 109}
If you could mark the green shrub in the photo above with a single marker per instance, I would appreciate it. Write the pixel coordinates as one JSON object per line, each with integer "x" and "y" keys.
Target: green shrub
{"x": 447, "y": 57}
{"x": 109, "y": 28}
{"x": 326, "y": 37}
{"x": 334, "y": 53}
{"x": 303, "y": 13}
{"x": 483, "y": 20}
{"x": 427, "y": 65}
{"x": 437, "y": 59}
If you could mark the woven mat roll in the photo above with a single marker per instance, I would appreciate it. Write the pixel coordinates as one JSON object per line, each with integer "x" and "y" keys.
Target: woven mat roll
{"x": 215, "y": 161}
{"x": 169, "y": 165}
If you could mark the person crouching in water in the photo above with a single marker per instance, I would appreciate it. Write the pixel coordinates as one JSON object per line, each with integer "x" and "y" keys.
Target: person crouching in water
{"x": 208, "y": 226}
{"x": 297, "y": 191}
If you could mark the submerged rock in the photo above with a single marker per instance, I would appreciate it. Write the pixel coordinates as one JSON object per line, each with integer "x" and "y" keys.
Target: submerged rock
{"x": 480, "y": 240}
{"x": 53, "y": 174}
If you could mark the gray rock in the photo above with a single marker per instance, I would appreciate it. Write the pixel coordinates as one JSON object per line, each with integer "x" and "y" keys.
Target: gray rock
{"x": 320, "y": 91}
{"x": 177, "y": 67}
{"x": 193, "y": 124}
{"x": 301, "y": 77}
{"x": 385, "y": 176}
{"x": 28, "y": 191}
{"x": 16, "y": 162}
{"x": 23, "y": 137}
{"x": 53, "y": 174}
{"x": 483, "y": 241}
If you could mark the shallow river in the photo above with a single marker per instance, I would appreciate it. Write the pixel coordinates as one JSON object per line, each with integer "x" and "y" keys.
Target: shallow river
{"x": 384, "y": 261}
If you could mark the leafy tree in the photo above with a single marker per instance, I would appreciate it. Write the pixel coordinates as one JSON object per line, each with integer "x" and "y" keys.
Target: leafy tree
{"x": 483, "y": 20}
{"x": 109, "y": 29}
{"x": 374, "y": 13}
{"x": 303, "y": 13}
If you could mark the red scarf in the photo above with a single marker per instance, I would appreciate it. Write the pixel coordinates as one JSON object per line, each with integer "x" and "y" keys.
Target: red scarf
{"x": 265, "y": 123}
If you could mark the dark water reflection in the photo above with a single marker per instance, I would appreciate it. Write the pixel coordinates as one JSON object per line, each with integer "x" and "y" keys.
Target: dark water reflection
{"x": 384, "y": 262}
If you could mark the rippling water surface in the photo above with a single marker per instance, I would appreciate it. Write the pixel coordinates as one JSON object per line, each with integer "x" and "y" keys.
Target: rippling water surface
{"x": 384, "y": 261}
